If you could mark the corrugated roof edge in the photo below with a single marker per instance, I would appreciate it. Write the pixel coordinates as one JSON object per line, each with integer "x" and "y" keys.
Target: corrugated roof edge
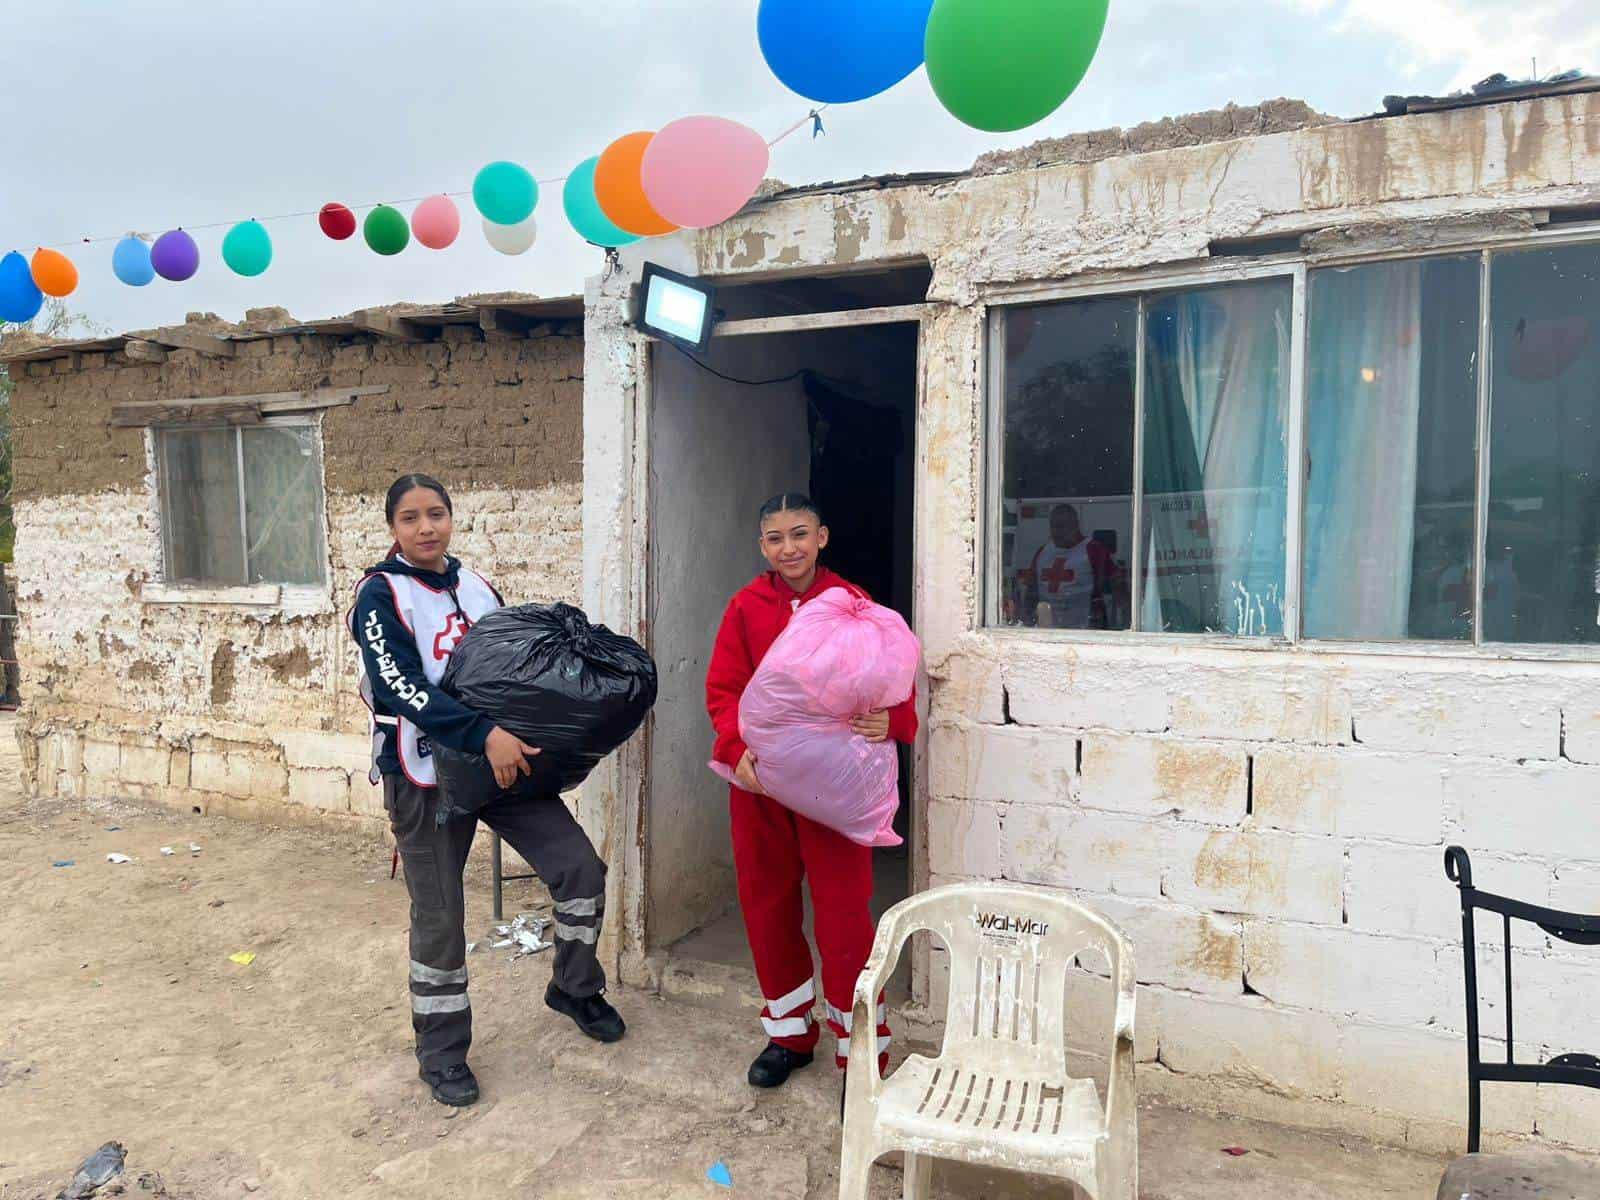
{"x": 262, "y": 323}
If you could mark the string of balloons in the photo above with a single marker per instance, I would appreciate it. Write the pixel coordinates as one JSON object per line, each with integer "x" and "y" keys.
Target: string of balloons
{"x": 997, "y": 65}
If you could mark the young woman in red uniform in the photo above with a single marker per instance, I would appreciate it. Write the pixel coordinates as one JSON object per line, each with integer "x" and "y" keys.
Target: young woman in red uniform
{"x": 774, "y": 849}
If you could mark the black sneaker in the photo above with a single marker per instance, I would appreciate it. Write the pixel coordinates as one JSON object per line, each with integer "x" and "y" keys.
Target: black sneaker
{"x": 592, "y": 1014}
{"x": 455, "y": 1086}
{"x": 775, "y": 1064}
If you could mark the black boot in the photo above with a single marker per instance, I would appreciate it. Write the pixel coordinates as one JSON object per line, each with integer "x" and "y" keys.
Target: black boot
{"x": 592, "y": 1014}
{"x": 455, "y": 1086}
{"x": 775, "y": 1064}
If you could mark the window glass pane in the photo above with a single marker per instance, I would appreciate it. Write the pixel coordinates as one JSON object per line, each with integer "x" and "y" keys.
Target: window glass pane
{"x": 1216, "y": 485}
{"x": 199, "y": 475}
{"x": 1391, "y": 468}
{"x": 283, "y": 504}
{"x": 1068, "y": 478}
{"x": 1540, "y": 569}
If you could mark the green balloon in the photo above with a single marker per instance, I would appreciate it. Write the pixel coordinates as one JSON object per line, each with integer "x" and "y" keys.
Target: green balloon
{"x": 247, "y": 249}
{"x": 386, "y": 230}
{"x": 1002, "y": 65}
{"x": 505, "y": 193}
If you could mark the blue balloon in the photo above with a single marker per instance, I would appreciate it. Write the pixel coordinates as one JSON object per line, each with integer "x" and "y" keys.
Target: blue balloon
{"x": 130, "y": 262}
{"x": 20, "y": 297}
{"x": 837, "y": 51}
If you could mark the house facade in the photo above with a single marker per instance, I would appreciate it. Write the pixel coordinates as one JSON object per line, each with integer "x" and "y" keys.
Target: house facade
{"x": 194, "y": 508}
{"x": 1254, "y": 541}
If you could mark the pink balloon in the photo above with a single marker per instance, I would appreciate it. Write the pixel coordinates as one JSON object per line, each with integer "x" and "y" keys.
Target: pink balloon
{"x": 436, "y": 222}
{"x": 700, "y": 171}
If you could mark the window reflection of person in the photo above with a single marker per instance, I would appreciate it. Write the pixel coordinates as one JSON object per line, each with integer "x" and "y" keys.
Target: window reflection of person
{"x": 1066, "y": 584}
{"x": 1505, "y": 601}
{"x": 1453, "y": 588}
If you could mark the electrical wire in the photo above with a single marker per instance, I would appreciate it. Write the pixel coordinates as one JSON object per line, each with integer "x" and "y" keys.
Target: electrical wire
{"x": 813, "y": 118}
{"x": 802, "y": 373}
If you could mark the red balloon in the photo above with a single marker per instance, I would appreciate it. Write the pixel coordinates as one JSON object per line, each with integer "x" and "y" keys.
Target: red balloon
{"x": 337, "y": 221}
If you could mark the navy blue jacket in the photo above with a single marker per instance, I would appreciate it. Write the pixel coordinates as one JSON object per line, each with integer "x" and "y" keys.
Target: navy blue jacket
{"x": 443, "y": 718}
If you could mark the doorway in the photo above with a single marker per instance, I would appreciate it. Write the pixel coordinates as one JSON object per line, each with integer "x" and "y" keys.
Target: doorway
{"x": 828, "y": 411}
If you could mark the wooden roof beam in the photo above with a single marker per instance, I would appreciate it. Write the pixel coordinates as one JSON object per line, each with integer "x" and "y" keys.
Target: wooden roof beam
{"x": 181, "y": 337}
{"x": 387, "y": 325}
{"x": 144, "y": 352}
{"x": 500, "y": 321}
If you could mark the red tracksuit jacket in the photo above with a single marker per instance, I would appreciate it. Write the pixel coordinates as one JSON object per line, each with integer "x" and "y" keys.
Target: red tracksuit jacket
{"x": 756, "y": 615}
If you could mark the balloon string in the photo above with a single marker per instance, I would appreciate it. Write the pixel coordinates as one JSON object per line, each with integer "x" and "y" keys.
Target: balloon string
{"x": 808, "y": 119}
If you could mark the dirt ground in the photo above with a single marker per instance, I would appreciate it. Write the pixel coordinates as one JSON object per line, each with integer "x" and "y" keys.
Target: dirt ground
{"x": 122, "y": 1017}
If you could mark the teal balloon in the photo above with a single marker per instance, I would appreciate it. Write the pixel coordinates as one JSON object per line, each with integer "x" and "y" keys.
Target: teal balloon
{"x": 247, "y": 249}
{"x": 20, "y": 297}
{"x": 1002, "y": 65}
{"x": 130, "y": 262}
{"x": 505, "y": 193}
{"x": 584, "y": 212}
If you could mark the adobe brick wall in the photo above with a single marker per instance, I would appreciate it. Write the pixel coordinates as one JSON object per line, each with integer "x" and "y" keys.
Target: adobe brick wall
{"x": 247, "y": 712}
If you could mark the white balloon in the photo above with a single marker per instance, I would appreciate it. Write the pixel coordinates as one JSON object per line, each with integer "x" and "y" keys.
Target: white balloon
{"x": 511, "y": 239}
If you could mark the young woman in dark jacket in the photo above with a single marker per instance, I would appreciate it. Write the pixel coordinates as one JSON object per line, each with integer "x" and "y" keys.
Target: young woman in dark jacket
{"x": 411, "y": 612}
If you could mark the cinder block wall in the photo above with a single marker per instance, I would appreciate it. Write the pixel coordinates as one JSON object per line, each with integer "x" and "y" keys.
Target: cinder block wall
{"x": 248, "y": 712}
{"x": 1269, "y": 829}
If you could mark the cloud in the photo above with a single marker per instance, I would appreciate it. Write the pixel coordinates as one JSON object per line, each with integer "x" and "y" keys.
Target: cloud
{"x": 151, "y": 114}
{"x": 1470, "y": 39}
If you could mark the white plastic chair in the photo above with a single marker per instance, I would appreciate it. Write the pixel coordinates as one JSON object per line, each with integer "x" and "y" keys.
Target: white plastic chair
{"x": 999, "y": 1094}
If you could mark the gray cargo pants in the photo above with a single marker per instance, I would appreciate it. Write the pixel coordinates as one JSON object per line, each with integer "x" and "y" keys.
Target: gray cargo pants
{"x": 434, "y": 856}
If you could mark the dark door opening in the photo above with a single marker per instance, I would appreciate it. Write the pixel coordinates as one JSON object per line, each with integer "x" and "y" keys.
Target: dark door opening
{"x": 862, "y": 465}
{"x": 842, "y": 427}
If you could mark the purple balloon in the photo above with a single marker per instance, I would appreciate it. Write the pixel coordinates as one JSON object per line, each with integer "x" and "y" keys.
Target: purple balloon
{"x": 175, "y": 256}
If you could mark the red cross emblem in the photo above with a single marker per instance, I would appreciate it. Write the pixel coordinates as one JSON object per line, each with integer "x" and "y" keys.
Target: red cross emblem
{"x": 1205, "y": 526}
{"x": 1059, "y": 573}
{"x": 448, "y": 638}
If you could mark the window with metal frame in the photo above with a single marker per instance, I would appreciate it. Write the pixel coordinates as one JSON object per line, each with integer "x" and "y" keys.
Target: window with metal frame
{"x": 1143, "y": 471}
{"x": 1445, "y": 409}
{"x": 241, "y": 504}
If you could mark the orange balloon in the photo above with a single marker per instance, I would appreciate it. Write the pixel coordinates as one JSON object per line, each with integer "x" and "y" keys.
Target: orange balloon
{"x": 53, "y": 273}
{"x": 621, "y": 194}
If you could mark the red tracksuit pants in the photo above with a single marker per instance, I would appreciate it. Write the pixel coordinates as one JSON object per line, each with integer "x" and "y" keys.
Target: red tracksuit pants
{"x": 774, "y": 849}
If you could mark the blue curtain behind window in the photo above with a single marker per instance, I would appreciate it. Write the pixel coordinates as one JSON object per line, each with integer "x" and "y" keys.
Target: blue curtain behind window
{"x": 1362, "y": 418}
{"x": 1216, "y": 480}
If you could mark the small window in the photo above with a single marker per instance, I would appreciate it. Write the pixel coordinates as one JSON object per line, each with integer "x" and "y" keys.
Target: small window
{"x": 241, "y": 505}
{"x": 1068, "y": 468}
{"x": 1391, "y": 458}
{"x": 1208, "y": 554}
{"x": 1541, "y": 567}
{"x": 1212, "y": 550}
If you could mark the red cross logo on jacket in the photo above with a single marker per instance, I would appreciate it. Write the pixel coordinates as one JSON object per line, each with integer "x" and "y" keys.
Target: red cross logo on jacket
{"x": 1058, "y": 573}
{"x": 448, "y": 638}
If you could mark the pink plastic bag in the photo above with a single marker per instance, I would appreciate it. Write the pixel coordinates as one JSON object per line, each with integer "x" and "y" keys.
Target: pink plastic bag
{"x": 840, "y": 656}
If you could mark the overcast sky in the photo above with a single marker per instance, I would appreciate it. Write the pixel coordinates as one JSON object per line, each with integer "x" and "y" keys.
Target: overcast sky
{"x": 145, "y": 114}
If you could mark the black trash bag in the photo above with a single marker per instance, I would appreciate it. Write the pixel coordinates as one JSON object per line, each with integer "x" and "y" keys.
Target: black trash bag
{"x": 576, "y": 691}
